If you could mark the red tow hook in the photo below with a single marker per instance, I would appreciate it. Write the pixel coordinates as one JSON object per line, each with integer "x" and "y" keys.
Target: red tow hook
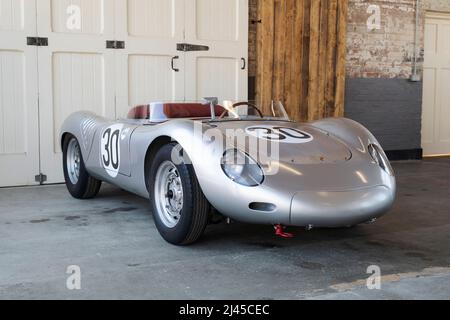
{"x": 279, "y": 231}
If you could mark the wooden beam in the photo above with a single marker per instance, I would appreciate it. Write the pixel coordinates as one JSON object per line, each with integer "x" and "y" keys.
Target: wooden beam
{"x": 323, "y": 48}
{"x": 331, "y": 59}
{"x": 313, "y": 90}
{"x": 296, "y": 85}
{"x": 289, "y": 76}
{"x": 341, "y": 57}
{"x": 305, "y": 60}
{"x": 279, "y": 55}
{"x": 265, "y": 53}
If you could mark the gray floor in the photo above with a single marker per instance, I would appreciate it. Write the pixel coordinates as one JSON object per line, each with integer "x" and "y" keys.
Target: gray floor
{"x": 113, "y": 240}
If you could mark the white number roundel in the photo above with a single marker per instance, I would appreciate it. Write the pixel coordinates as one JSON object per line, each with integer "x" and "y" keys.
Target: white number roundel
{"x": 110, "y": 149}
{"x": 279, "y": 134}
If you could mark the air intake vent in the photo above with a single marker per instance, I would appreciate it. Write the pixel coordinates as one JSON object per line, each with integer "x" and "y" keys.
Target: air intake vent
{"x": 262, "y": 206}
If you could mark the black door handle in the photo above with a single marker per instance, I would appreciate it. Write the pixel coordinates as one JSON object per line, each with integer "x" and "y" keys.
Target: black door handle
{"x": 172, "y": 64}
{"x": 244, "y": 65}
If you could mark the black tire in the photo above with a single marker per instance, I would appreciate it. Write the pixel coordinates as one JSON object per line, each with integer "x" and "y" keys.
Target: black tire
{"x": 195, "y": 211}
{"x": 86, "y": 187}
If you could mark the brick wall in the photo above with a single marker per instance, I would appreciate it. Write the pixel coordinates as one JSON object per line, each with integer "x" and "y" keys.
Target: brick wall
{"x": 386, "y": 52}
{"x": 381, "y": 53}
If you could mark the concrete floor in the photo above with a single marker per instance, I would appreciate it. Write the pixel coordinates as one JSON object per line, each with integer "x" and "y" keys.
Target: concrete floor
{"x": 121, "y": 255}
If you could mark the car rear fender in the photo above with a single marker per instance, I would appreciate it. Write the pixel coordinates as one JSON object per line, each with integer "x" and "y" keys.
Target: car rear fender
{"x": 83, "y": 126}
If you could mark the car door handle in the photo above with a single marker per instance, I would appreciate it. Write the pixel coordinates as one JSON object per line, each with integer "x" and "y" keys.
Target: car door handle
{"x": 173, "y": 63}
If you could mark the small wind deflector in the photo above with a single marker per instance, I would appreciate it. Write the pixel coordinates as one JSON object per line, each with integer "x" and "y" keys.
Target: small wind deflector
{"x": 213, "y": 102}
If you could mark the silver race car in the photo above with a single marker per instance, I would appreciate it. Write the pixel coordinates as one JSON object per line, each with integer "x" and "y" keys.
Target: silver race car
{"x": 198, "y": 161}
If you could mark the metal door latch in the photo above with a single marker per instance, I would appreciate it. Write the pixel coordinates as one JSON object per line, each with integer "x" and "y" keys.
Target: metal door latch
{"x": 113, "y": 44}
{"x": 37, "y": 41}
{"x": 186, "y": 47}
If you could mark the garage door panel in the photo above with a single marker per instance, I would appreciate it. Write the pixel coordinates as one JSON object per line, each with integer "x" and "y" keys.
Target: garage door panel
{"x": 217, "y": 20}
{"x": 151, "y": 18}
{"x": 76, "y": 70}
{"x": 444, "y": 114}
{"x": 143, "y": 70}
{"x": 222, "y": 25}
{"x": 150, "y": 79}
{"x": 436, "y": 90}
{"x": 12, "y": 15}
{"x": 19, "y": 143}
{"x": 218, "y": 77}
{"x": 429, "y": 99}
{"x": 431, "y": 37}
{"x": 12, "y": 103}
{"x": 444, "y": 36}
{"x": 77, "y": 16}
{"x": 78, "y": 85}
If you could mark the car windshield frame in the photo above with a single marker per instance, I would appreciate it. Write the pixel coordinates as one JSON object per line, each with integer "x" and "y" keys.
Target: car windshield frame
{"x": 234, "y": 114}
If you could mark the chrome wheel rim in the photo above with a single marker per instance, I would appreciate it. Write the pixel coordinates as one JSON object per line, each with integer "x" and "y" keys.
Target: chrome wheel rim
{"x": 168, "y": 194}
{"x": 73, "y": 161}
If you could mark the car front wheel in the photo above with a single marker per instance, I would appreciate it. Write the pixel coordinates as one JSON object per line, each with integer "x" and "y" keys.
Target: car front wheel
{"x": 180, "y": 210}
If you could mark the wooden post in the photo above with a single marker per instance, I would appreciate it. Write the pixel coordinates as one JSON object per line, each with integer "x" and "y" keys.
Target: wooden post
{"x": 323, "y": 49}
{"x": 313, "y": 94}
{"x": 265, "y": 52}
{"x": 341, "y": 58}
{"x": 331, "y": 59}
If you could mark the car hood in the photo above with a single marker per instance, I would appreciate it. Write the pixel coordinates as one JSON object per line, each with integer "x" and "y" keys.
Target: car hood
{"x": 316, "y": 146}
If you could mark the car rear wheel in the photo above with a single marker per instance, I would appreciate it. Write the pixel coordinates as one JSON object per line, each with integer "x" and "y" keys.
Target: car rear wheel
{"x": 180, "y": 210}
{"x": 78, "y": 181}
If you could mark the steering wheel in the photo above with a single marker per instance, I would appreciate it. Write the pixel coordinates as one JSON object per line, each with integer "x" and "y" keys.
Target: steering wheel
{"x": 239, "y": 104}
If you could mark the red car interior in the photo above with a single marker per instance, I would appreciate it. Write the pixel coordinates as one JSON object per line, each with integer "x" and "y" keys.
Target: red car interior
{"x": 176, "y": 111}
{"x": 139, "y": 112}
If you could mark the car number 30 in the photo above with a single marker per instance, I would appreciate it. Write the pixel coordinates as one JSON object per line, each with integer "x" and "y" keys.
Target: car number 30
{"x": 279, "y": 134}
{"x": 110, "y": 149}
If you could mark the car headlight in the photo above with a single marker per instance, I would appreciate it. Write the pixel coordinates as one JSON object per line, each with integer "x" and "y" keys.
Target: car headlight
{"x": 380, "y": 158}
{"x": 242, "y": 169}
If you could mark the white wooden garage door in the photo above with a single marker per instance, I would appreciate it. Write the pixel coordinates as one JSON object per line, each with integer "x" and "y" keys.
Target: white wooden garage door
{"x": 436, "y": 94}
{"x": 41, "y": 86}
{"x": 19, "y": 139}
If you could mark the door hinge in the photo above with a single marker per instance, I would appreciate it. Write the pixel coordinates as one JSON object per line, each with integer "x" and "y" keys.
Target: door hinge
{"x": 113, "y": 44}
{"x": 40, "y": 178}
{"x": 37, "y": 41}
{"x": 185, "y": 47}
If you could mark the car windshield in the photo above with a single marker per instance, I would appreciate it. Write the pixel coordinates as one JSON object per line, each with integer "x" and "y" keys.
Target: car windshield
{"x": 250, "y": 110}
